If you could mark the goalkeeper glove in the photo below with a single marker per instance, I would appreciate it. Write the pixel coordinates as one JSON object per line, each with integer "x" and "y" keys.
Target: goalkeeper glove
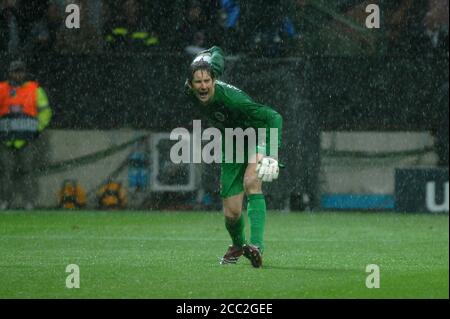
{"x": 267, "y": 169}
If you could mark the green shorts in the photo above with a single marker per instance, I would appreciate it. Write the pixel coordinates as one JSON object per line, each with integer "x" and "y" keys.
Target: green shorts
{"x": 232, "y": 179}
{"x": 232, "y": 176}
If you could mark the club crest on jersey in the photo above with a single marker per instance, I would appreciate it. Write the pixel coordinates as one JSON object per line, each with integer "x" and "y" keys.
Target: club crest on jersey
{"x": 219, "y": 116}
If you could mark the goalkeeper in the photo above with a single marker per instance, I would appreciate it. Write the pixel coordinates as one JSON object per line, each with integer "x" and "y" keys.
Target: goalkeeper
{"x": 226, "y": 106}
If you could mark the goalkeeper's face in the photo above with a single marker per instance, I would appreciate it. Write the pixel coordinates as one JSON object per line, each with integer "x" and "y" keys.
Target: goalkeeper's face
{"x": 203, "y": 86}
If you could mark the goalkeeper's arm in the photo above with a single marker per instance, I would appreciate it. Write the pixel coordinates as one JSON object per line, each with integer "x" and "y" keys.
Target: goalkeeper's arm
{"x": 268, "y": 167}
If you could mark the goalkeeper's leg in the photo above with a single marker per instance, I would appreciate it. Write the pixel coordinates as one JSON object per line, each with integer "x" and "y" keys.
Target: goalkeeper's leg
{"x": 234, "y": 223}
{"x": 232, "y": 193}
{"x": 256, "y": 205}
{"x": 234, "y": 220}
{"x": 235, "y": 179}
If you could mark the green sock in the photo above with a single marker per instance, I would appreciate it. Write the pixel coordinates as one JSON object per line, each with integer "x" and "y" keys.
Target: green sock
{"x": 256, "y": 208}
{"x": 236, "y": 230}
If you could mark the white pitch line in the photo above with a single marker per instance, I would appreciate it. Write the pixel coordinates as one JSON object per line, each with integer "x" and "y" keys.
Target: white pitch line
{"x": 134, "y": 238}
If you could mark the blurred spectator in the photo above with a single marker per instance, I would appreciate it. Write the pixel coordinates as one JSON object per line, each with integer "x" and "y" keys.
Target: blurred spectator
{"x": 43, "y": 33}
{"x": 406, "y": 34}
{"x": 31, "y": 11}
{"x": 17, "y": 18}
{"x": 10, "y": 31}
{"x": 24, "y": 114}
{"x": 436, "y": 29}
{"x": 267, "y": 29}
{"x": 230, "y": 12}
{"x": 198, "y": 25}
{"x": 436, "y": 23}
{"x": 129, "y": 28}
{"x": 442, "y": 134}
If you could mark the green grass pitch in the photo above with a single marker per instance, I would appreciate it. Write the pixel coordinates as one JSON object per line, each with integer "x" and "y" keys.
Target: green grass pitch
{"x": 176, "y": 254}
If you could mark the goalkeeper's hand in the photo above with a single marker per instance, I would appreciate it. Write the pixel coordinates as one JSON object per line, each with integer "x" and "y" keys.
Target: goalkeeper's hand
{"x": 267, "y": 169}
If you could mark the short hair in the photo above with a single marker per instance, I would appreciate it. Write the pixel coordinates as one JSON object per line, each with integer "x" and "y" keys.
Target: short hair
{"x": 200, "y": 65}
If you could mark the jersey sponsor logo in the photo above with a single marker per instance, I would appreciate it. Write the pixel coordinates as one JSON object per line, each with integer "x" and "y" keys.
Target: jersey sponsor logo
{"x": 219, "y": 116}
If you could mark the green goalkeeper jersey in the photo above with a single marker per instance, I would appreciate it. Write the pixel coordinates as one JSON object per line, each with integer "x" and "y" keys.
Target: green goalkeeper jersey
{"x": 232, "y": 108}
